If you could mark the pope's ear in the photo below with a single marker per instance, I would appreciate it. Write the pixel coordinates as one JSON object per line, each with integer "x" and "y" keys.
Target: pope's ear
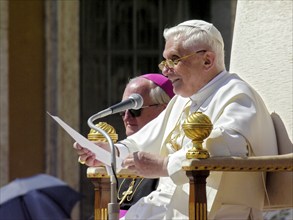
{"x": 209, "y": 59}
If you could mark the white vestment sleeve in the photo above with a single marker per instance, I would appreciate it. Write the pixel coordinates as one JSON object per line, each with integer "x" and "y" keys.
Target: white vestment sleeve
{"x": 123, "y": 150}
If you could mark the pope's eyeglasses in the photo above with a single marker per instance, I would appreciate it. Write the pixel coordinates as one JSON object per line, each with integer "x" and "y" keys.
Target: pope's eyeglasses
{"x": 137, "y": 112}
{"x": 172, "y": 63}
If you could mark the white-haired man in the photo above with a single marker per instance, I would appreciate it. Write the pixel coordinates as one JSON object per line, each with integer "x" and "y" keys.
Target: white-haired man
{"x": 194, "y": 53}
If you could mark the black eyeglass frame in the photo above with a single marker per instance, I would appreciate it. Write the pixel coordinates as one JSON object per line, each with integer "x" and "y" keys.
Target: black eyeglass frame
{"x": 137, "y": 112}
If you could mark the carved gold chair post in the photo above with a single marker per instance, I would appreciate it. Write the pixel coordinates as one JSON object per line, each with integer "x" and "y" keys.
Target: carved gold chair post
{"x": 101, "y": 182}
{"x": 197, "y": 127}
{"x": 99, "y": 176}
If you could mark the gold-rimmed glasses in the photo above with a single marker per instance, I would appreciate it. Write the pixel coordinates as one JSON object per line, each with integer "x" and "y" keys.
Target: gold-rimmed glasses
{"x": 172, "y": 63}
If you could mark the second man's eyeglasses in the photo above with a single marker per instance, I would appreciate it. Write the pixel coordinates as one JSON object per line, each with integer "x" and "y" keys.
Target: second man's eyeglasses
{"x": 137, "y": 112}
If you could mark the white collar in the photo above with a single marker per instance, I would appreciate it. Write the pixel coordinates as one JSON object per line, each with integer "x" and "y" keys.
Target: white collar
{"x": 199, "y": 97}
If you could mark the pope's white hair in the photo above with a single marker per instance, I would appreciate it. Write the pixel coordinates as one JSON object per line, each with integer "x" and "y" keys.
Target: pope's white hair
{"x": 191, "y": 37}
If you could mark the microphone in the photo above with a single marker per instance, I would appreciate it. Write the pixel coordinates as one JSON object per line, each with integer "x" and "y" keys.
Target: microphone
{"x": 134, "y": 101}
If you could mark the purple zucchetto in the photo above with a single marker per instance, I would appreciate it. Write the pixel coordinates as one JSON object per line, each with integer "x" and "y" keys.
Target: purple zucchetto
{"x": 161, "y": 81}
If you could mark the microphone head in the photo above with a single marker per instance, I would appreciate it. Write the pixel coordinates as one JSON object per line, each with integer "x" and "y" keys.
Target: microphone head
{"x": 138, "y": 100}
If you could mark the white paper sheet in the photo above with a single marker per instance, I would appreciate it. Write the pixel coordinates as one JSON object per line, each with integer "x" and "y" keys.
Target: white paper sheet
{"x": 101, "y": 154}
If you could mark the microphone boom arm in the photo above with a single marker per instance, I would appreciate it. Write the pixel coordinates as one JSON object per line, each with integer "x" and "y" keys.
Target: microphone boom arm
{"x": 113, "y": 206}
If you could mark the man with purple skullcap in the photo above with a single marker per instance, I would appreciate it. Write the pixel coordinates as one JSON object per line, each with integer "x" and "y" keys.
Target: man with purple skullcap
{"x": 156, "y": 91}
{"x": 162, "y": 81}
{"x": 242, "y": 126}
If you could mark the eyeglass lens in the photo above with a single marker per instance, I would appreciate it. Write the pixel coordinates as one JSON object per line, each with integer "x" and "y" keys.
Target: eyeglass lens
{"x": 133, "y": 112}
{"x": 172, "y": 63}
{"x": 136, "y": 112}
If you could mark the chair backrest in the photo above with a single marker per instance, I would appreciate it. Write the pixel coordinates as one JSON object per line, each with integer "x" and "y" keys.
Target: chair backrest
{"x": 279, "y": 184}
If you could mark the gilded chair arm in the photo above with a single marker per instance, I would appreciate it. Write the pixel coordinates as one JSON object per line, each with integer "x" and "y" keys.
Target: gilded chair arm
{"x": 101, "y": 172}
{"x": 272, "y": 163}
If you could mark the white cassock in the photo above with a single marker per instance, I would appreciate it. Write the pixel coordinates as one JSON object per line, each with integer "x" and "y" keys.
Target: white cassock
{"x": 241, "y": 126}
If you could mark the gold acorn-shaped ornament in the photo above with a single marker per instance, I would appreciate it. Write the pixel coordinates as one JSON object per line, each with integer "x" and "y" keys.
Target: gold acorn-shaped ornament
{"x": 97, "y": 136}
{"x": 197, "y": 127}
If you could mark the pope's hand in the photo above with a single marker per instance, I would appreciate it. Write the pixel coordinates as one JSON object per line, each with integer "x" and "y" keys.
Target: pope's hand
{"x": 146, "y": 164}
{"x": 87, "y": 157}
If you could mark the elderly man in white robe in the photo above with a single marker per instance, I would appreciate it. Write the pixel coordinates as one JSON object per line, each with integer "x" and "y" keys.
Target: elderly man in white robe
{"x": 242, "y": 126}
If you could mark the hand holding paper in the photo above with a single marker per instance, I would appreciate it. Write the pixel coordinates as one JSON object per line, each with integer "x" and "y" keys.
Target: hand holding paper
{"x": 101, "y": 154}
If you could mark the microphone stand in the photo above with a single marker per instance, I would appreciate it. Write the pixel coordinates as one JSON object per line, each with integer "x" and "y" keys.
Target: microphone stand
{"x": 113, "y": 206}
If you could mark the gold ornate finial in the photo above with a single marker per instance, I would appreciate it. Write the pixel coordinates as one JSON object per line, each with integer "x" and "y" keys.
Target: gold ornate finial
{"x": 97, "y": 136}
{"x": 197, "y": 127}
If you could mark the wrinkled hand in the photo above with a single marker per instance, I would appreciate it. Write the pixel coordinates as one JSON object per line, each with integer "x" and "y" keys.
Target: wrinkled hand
{"x": 87, "y": 157}
{"x": 146, "y": 164}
